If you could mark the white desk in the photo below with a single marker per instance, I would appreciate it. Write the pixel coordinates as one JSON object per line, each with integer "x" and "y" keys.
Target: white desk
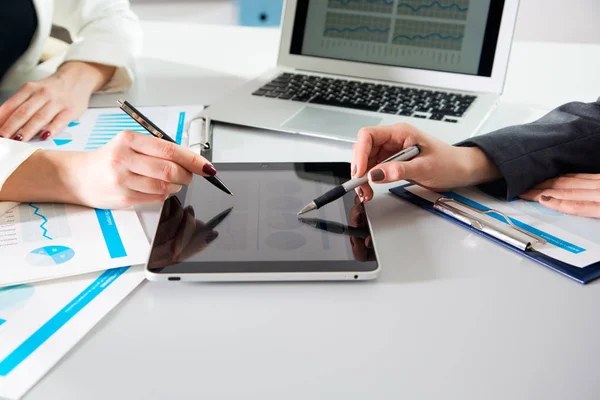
{"x": 452, "y": 318}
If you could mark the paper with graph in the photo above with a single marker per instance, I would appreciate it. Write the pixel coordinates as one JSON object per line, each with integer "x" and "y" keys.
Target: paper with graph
{"x": 40, "y": 241}
{"x": 40, "y": 323}
{"x": 97, "y": 126}
{"x": 570, "y": 239}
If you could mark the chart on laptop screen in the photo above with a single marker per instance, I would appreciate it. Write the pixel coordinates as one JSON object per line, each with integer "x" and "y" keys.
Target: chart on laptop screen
{"x": 444, "y": 35}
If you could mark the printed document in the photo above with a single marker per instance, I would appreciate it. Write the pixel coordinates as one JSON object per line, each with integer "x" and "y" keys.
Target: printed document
{"x": 40, "y": 323}
{"x": 40, "y": 241}
{"x": 570, "y": 239}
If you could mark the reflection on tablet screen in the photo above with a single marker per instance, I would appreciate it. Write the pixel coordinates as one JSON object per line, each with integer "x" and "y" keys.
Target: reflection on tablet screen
{"x": 202, "y": 226}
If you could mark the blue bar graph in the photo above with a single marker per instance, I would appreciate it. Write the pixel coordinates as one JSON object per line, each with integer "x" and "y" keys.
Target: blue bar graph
{"x": 108, "y": 126}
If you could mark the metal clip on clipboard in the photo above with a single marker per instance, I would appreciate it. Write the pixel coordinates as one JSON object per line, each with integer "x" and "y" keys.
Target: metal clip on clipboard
{"x": 511, "y": 233}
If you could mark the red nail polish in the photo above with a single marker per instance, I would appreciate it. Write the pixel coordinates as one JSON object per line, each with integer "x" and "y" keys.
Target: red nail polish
{"x": 209, "y": 170}
{"x": 45, "y": 135}
{"x": 18, "y": 137}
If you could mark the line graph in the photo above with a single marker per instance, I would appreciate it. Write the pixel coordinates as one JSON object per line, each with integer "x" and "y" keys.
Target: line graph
{"x": 357, "y": 27}
{"x": 381, "y": 6}
{"x": 435, "y": 35}
{"x": 44, "y": 220}
{"x": 448, "y": 9}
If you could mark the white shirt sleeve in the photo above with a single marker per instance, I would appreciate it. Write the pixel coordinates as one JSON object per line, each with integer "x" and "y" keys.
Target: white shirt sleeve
{"x": 12, "y": 154}
{"x": 104, "y": 32}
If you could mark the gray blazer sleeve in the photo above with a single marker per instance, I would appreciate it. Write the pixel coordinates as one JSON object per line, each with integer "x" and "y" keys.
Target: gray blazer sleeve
{"x": 566, "y": 140}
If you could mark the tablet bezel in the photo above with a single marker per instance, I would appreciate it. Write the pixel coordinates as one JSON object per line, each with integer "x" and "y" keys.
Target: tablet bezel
{"x": 270, "y": 270}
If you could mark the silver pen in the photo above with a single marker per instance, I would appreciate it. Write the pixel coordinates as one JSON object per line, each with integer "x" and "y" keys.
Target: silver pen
{"x": 339, "y": 191}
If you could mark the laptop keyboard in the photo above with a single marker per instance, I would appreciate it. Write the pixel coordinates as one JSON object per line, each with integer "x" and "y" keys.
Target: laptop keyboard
{"x": 397, "y": 100}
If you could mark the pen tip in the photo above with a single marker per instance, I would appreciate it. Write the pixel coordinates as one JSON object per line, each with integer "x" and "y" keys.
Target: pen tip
{"x": 307, "y": 208}
{"x": 121, "y": 102}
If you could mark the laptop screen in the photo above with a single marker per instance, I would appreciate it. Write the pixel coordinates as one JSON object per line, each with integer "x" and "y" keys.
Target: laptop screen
{"x": 457, "y": 36}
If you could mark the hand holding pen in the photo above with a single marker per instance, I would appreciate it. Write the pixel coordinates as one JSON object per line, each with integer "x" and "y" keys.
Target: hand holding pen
{"x": 208, "y": 171}
{"x": 339, "y": 191}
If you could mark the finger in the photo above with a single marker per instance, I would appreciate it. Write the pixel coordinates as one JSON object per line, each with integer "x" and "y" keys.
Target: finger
{"x": 40, "y": 120}
{"x": 566, "y": 182}
{"x": 364, "y": 192}
{"x": 179, "y": 155}
{"x": 21, "y": 116}
{"x": 572, "y": 194}
{"x": 372, "y": 140}
{"x": 573, "y": 207}
{"x": 9, "y": 106}
{"x": 395, "y": 171}
{"x": 144, "y": 184}
{"x": 584, "y": 176}
{"x": 132, "y": 198}
{"x": 158, "y": 169}
{"x": 531, "y": 195}
{"x": 58, "y": 124}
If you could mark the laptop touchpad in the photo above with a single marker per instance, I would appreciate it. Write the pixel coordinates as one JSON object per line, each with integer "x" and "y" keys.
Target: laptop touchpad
{"x": 312, "y": 119}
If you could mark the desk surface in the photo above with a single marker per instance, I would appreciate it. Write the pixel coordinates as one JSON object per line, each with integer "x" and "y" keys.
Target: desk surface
{"x": 456, "y": 317}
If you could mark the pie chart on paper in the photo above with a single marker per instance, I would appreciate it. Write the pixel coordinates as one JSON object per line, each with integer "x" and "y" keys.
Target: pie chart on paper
{"x": 49, "y": 256}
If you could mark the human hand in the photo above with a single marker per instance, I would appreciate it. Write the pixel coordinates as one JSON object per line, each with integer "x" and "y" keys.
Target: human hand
{"x": 180, "y": 235}
{"x": 48, "y": 105}
{"x": 439, "y": 166}
{"x": 133, "y": 169}
{"x": 577, "y": 194}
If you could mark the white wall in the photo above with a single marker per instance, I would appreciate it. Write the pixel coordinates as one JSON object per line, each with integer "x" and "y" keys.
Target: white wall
{"x": 559, "y": 20}
{"x": 539, "y": 20}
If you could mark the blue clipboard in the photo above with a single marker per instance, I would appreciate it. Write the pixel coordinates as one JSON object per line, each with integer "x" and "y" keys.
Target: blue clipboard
{"x": 581, "y": 275}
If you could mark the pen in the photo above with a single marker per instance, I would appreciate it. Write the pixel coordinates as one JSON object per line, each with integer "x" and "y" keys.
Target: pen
{"x": 335, "y": 227}
{"x": 339, "y": 191}
{"x": 157, "y": 132}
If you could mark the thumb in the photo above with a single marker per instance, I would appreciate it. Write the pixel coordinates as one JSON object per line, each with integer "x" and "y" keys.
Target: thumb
{"x": 392, "y": 171}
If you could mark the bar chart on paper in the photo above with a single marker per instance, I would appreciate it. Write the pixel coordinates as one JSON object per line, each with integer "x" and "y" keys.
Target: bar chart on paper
{"x": 98, "y": 126}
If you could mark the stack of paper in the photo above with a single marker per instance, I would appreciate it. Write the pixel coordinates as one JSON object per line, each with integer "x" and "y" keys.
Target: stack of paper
{"x": 91, "y": 251}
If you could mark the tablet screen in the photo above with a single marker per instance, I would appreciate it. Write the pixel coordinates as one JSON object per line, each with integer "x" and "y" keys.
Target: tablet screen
{"x": 203, "y": 230}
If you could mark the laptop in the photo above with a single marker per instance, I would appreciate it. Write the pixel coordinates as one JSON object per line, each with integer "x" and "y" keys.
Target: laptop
{"x": 346, "y": 64}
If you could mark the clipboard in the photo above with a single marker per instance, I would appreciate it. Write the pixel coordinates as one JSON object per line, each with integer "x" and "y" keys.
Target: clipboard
{"x": 512, "y": 237}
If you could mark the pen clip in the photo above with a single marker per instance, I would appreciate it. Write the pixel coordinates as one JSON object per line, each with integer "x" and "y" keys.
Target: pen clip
{"x": 517, "y": 236}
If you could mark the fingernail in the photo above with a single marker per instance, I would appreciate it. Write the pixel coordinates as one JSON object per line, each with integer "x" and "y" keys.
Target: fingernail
{"x": 354, "y": 170}
{"x": 208, "y": 169}
{"x": 18, "y": 137}
{"x": 377, "y": 175}
{"x": 546, "y": 198}
{"x": 45, "y": 135}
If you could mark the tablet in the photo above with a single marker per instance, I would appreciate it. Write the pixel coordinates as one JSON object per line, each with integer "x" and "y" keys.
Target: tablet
{"x": 206, "y": 235}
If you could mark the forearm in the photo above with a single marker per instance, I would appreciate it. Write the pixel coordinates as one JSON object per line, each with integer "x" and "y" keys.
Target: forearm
{"x": 91, "y": 75}
{"x": 44, "y": 177}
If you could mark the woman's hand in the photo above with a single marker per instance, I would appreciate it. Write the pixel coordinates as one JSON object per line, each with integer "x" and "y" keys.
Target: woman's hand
{"x": 577, "y": 194}
{"x": 439, "y": 166}
{"x": 47, "y": 106}
{"x": 131, "y": 169}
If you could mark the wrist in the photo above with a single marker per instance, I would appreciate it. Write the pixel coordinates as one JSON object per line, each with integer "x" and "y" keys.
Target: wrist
{"x": 476, "y": 167}
{"x": 92, "y": 76}
{"x": 45, "y": 176}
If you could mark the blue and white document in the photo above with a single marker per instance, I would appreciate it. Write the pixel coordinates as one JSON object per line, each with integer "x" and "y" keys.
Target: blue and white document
{"x": 40, "y": 323}
{"x": 98, "y": 126}
{"x": 40, "y": 241}
{"x": 570, "y": 239}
